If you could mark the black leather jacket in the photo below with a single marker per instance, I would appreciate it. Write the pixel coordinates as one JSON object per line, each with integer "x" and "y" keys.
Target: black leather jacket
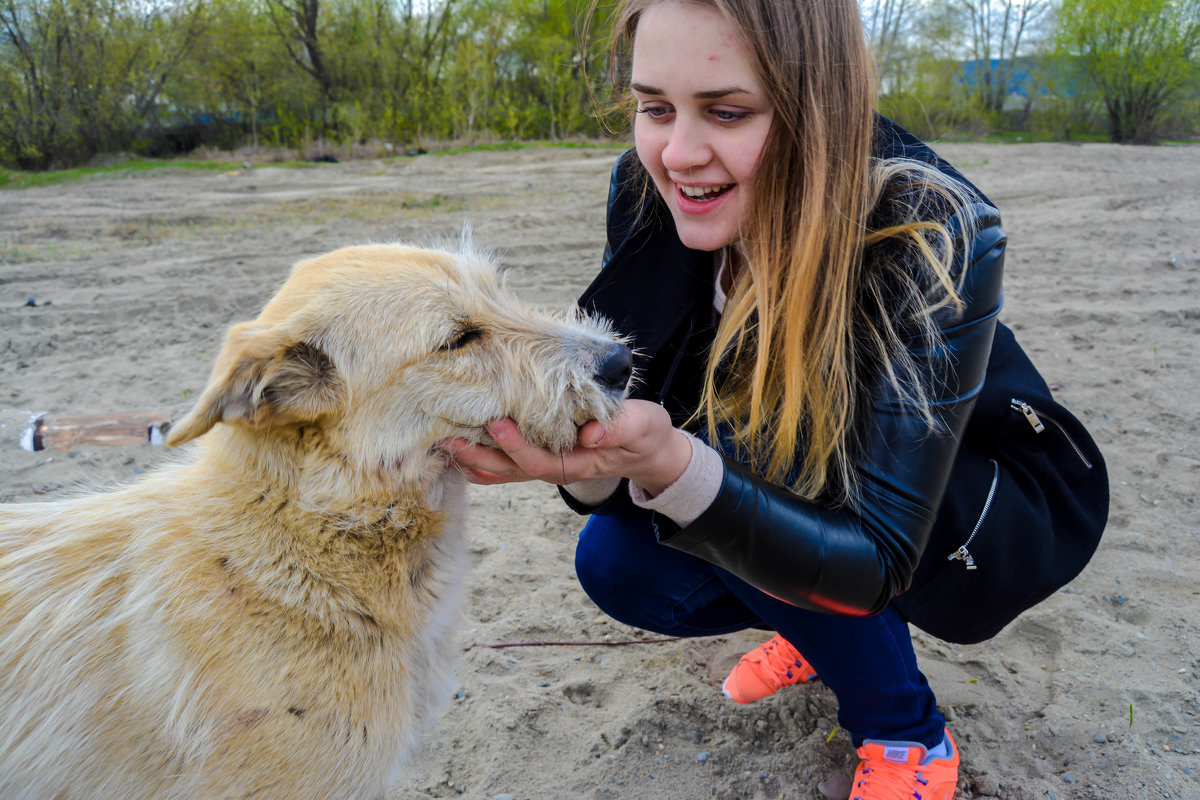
{"x": 843, "y": 560}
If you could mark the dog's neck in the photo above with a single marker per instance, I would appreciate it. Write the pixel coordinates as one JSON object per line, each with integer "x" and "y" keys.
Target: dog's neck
{"x": 297, "y": 528}
{"x": 298, "y": 466}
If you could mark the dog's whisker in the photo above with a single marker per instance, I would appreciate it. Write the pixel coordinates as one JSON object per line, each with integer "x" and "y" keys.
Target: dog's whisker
{"x": 464, "y": 425}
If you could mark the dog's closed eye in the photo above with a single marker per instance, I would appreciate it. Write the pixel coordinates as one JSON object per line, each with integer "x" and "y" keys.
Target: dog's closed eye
{"x": 462, "y": 338}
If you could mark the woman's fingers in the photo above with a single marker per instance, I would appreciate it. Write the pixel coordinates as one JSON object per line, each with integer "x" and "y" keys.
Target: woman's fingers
{"x": 483, "y": 478}
{"x": 640, "y": 443}
{"x": 533, "y": 461}
{"x": 482, "y": 465}
{"x": 592, "y": 434}
{"x": 512, "y": 459}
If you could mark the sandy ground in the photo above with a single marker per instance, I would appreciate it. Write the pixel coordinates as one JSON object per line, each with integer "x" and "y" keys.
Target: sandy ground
{"x": 1093, "y": 694}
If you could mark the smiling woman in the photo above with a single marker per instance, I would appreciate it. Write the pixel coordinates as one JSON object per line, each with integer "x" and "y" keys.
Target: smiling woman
{"x": 821, "y": 439}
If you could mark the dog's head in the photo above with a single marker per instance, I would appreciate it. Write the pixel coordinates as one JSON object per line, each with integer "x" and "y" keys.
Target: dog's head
{"x": 390, "y": 349}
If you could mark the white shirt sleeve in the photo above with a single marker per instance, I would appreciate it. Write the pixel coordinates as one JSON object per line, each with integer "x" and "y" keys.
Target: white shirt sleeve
{"x": 694, "y": 491}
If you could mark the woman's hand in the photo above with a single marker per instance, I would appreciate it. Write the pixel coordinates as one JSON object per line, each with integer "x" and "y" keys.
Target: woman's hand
{"x": 641, "y": 444}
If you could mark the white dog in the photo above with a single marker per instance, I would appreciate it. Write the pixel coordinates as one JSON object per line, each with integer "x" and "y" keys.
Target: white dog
{"x": 273, "y": 615}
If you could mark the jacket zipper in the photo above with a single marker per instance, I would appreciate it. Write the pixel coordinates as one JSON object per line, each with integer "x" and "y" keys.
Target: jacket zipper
{"x": 962, "y": 553}
{"x": 1035, "y": 421}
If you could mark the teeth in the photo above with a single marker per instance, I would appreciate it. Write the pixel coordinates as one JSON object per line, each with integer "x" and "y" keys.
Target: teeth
{"x": 701, "y": 191}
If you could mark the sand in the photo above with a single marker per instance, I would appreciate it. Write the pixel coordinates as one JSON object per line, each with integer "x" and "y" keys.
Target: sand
{"x": 1092, "y": 694}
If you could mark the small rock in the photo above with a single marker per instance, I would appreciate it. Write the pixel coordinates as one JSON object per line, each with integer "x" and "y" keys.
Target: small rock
{"x": 702, "y": 757}
{"x": 1100, "y": 738}
{"x": 1068, "y": 778}
{"x": 503, "y": 797}
{"x": 837, "y": 787}
{"x": 986, "y": 785}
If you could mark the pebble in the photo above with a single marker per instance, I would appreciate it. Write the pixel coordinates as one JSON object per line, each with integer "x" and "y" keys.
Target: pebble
{"x": 702, "y": 757}
{"x": 503, "y": 797}
{"x": 837, "y": 787}
{"x": 1068, "y": 778}
{"x": 986, "y": 785}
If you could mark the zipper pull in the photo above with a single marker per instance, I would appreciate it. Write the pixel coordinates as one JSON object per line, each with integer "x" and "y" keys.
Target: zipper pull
{"x": 1030, "y": 415}
{"x": 964, "y": 555}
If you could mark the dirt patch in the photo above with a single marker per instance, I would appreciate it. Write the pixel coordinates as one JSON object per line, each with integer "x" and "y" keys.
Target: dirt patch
{"x": 1092, "y": 694}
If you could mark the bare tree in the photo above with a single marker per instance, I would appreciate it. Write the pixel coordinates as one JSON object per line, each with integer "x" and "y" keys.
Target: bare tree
{"x": 298, "y": 23}
{"x": 997, "y": 30}
{"x": 886, "y": 22}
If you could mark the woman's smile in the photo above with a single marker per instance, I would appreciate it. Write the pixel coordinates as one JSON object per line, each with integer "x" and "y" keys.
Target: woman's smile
{"x": 700, "y": 199}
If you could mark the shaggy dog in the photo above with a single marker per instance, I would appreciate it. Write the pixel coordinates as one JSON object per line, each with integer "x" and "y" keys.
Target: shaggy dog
{"x": 273, "y": 615}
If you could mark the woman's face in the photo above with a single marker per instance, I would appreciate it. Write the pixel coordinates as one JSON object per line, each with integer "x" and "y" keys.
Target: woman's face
{"x": 702, "y": 119}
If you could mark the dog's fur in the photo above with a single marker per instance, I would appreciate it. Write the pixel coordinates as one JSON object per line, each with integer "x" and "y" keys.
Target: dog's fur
{"x": 273, "y": 615}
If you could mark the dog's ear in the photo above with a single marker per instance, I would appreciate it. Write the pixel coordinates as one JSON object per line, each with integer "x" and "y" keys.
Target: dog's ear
{"x": 263, "y": 377}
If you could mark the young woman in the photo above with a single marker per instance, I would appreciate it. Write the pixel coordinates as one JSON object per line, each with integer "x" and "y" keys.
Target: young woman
{"x": 830, "y": 434}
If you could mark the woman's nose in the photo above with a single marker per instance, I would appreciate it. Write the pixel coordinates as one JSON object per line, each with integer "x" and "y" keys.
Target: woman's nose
{"x": 686, "y": 146}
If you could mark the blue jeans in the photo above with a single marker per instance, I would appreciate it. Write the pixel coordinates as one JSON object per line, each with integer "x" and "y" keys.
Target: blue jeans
{"x": 868, "y": 662}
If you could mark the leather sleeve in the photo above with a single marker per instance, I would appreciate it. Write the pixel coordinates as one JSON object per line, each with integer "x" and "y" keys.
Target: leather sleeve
{"x": 854, "y": 560}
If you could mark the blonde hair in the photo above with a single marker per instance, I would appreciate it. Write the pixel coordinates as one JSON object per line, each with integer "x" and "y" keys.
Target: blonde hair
{"x": 816, "y": 303}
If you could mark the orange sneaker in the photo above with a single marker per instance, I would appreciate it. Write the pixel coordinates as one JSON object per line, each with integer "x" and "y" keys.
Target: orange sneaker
{"x": 904, "y": 771}
{"x": 765, "y": 670}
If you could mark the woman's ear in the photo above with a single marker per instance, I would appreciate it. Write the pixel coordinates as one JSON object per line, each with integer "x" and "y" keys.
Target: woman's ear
{"x": 263, "y": 377}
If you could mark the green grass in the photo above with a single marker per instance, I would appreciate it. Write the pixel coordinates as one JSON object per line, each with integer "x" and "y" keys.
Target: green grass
{"x": 522, "y": 145}
{"x": 1025, "y": 137}
{"x": 16, "y": 179}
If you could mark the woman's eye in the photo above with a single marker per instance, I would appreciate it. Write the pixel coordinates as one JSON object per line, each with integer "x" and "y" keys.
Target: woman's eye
{"x": 730, "y": 116}
{"x": 654, "y": 112}
{"x": 462, "y": 339}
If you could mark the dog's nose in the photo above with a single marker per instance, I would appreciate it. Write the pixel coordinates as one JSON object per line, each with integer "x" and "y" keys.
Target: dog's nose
{"x": 615, "y": 369}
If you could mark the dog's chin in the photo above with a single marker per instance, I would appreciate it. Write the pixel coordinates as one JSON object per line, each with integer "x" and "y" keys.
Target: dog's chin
{"x": 557, "y": 441}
